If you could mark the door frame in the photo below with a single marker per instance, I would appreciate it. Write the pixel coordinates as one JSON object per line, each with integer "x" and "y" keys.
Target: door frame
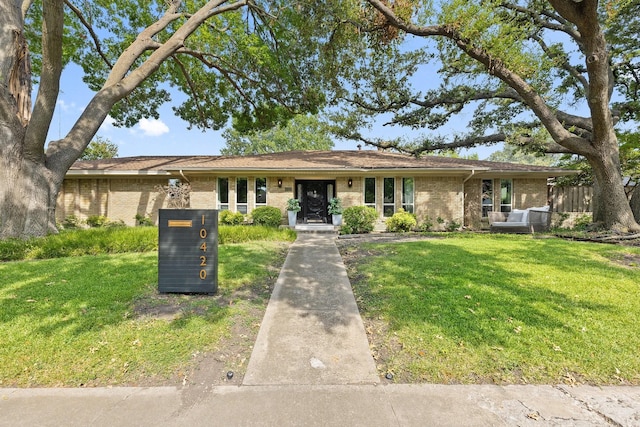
{"x": 328, "y": 191}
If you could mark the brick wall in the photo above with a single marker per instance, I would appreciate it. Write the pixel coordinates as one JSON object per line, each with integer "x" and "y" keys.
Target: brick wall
{"x": 439, "y": 197}
{"x": 448, "y": 198}
{"x": 527, "y": 193}
{"x": 473, "y": 204}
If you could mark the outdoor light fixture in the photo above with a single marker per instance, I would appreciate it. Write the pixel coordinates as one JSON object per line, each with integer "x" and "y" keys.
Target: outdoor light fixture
{"x": 279, "y": 182}
{"x": 350, "y": 182}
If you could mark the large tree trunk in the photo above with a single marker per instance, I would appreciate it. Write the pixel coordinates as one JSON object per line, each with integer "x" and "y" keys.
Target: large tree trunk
{"x": 28, "y": 199}
{"x": 612, "y": 207}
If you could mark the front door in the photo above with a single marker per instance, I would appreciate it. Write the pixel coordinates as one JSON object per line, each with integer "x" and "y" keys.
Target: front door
{"x": 314, "y": 199}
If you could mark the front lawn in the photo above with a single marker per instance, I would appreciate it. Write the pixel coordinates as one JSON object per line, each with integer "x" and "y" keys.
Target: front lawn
{"x": 500, "y": 309}
{"x": 98, "y": 319}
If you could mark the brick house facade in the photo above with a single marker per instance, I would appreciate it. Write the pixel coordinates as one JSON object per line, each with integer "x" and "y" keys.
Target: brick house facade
{"x": 431, "y": 187}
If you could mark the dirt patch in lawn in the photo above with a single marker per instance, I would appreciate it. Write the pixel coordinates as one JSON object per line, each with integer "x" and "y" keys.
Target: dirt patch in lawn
{"x": 227, "y": 363}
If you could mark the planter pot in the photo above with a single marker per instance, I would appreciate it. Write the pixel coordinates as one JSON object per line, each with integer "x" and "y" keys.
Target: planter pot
{"x": 293, "y": 218}
{"x": 336, "y": 219}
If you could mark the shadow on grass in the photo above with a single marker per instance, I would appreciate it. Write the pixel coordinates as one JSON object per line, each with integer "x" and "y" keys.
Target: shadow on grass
{"x": 478, "y": 296}
{"x": 81, "y": 294}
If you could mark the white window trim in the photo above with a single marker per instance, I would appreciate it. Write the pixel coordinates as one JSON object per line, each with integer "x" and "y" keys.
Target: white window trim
{"x": 240, "y": 205}
{"x": 223, "y": 206}
{"x": 413, "y": 195}
{"x": 255, "y": 190}
{"x": 393, "y": 193}
{"x": 375, "y": 191}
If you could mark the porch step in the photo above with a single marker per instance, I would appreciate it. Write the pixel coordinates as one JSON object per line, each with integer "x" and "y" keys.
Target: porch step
{"x": 316, "y": 228}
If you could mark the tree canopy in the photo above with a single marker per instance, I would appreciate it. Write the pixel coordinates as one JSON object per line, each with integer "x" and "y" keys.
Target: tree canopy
{"x": 302, "y": 132}
{"x": 512, "y": 154}
{"x": 554, "y": 76}
{"x": 256, "y": 62}
{"x": 100, "y": 148}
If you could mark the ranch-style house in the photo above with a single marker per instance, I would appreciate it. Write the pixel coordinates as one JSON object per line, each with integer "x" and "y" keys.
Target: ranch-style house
{"x": 449, "y": 189}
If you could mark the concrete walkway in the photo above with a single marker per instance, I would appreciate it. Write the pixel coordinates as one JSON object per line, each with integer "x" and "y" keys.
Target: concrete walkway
{"x": 311, "y": 366}
{"x": 312, "y": 332}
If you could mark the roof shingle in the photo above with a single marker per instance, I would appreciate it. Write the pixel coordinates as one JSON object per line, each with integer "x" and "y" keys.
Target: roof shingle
{"x": 303, "y": 160}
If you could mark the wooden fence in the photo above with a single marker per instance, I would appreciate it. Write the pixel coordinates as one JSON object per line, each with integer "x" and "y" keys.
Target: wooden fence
{"x": 571, "y": 199}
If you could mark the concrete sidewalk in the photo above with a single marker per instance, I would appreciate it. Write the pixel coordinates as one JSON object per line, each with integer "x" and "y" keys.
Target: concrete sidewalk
{"x": 311, "y": 366}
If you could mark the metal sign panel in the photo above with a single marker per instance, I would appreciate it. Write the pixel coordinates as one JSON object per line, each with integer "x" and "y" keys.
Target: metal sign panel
{"x": 188, "y": 250}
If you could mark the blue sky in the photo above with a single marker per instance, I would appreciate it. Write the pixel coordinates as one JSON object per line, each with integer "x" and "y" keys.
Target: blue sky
{"x": 169, "y": 135}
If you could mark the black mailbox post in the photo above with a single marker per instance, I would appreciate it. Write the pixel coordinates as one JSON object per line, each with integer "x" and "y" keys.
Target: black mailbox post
{"x": 188, "y": 250}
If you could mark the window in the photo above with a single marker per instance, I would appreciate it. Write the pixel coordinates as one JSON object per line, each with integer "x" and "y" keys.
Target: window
{"x": 506, "y": 195}
{"x": 487, "y": 197}
{"x": 223, "y": 194}
{"x": 388, "y": 197}
{"x": 242, "y": 205}
{"x": 370, "y": 192}
{"x": 261, "y": 191}
{"x": 407, "y": 194}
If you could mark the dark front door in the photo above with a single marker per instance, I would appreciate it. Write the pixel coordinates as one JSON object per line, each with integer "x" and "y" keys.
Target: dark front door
{"x": 314, "y": 196}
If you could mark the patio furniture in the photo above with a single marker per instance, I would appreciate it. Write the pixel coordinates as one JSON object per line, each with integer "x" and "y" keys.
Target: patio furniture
{"x": 520, "y": 221}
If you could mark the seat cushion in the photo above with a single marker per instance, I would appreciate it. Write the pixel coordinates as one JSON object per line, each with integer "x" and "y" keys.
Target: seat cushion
{"x": 515, "y": 216}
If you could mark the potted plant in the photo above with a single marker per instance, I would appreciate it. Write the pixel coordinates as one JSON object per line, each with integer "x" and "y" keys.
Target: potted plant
{"x": 335, "y": 209}
{"x": 293, "y": 207}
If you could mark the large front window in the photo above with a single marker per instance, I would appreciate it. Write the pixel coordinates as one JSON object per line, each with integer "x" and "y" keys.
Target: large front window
{"x": 261, "y": 191}
{"x": 388, "y": 197}
{"x": 223, "y": 194}
{"x": 487, "y": 197}
{"x": 242, "y": 195}
{"x": 370, "y": 192}
{"x": 506, "y": 195}
{"x": 407, "y": 194}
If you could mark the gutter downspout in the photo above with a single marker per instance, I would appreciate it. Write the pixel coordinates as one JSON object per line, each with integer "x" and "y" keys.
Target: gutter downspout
{"x": 473, "y": 172}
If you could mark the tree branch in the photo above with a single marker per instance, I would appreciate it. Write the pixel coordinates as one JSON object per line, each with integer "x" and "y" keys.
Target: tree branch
{"x": 38, "y": 127}
{"x": 61, "y": 154}
{"x": 94, "y": 36}
{"x": 187, "y": 77}
{"x": 562, "y": 25}
{"x": 564, "y": 63}
{"x": 497, "y": 68}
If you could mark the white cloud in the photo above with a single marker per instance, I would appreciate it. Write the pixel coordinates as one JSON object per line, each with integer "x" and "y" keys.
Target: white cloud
{"x": 64, "y": 106}
{"x": 107, "y": 125}
{"x": 153, "y": 127}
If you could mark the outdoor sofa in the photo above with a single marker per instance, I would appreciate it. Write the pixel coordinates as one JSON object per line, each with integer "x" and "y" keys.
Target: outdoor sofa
{"x": 520, "y": 221}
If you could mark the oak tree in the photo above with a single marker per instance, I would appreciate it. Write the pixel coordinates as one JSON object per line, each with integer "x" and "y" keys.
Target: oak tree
{"x": 252, "y": 60}
{"x": 302, "y": 132}
{"x": 554, "y": 76}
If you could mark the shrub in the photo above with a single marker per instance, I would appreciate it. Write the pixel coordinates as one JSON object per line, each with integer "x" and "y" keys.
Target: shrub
{"x": 143, "y": 220}
{"x": 335, "y": 206}
{"x": 401, "y": 221}
{"x": 453, "y": 225}
{"x": 293, "y": 205}
{"x": 582, "y": 222}
{"x": 115, "y": 224}
{"x": 231, "y": 218}
{"x": 71, "y": 222}
{"x": 269, "y": 216}
{"x": 232, "y": 234}
{"x": 426, "y": 225}
{"x": 358, "y": 220}
{"x": 96, "y": 221}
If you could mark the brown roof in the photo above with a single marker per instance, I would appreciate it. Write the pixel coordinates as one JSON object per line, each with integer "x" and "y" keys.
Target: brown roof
{"x": 301, "y": 161}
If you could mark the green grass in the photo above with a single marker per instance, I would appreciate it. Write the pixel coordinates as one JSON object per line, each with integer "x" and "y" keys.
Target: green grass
{"x": 88, "y": 320}
{"x": 95, "y": 241}
{"x": 502, "y": 309}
